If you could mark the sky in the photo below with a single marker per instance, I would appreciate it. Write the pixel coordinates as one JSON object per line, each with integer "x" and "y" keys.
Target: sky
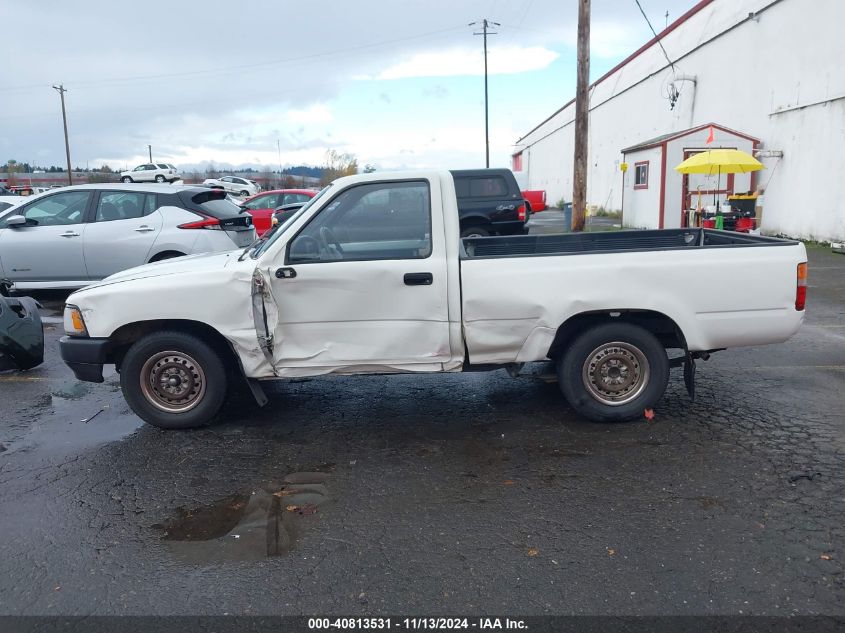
{"x": 399, "y": 84}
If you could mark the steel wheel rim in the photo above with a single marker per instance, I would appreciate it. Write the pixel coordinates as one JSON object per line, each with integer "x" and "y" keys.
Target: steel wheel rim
{"x": 173, "y": 381}
{"x": 616, "y": 373}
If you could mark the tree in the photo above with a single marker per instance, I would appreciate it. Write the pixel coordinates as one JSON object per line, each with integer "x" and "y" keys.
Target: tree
{"x": 11, "y": 165}
{"x": 211, "y": 171}
{"x": 265, "y": 178}
{"x": 338, "y": 165}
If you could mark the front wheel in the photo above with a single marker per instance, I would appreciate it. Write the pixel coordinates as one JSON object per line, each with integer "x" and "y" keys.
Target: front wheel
{"x": 613, "y": 372}
{"x": 173, "y": 380}
{"x": 475, "y": 231}
{"x": 126, "y": 179}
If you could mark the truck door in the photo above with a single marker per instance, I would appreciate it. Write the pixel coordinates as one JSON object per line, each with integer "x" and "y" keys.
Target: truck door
{"x": 363, "y": 283}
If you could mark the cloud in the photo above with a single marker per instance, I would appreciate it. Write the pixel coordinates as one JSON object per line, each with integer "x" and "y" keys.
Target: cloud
{"x": 469, "y": 62}
{"x": 316, "y": 113}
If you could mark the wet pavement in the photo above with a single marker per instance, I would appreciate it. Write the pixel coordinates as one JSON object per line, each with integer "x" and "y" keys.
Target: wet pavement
{"x": 438, "y": 494}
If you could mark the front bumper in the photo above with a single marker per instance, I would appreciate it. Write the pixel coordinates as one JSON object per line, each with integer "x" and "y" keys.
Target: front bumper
{"x": 85, "y": 356}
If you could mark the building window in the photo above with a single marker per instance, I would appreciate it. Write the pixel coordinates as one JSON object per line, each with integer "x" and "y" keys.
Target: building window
{"x": 641, "y": 175}
{"x": 517, "y": 162}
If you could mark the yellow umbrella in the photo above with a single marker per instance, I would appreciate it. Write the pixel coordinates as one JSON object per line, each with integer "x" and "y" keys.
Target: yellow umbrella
{"x": 720, "y": 161}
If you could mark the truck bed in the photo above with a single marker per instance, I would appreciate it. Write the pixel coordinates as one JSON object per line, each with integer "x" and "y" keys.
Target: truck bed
{"x": 619, "y": 241}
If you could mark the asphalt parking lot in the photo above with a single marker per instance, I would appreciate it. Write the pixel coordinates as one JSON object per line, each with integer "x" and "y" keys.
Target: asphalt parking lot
{"x": 471, "y": 494}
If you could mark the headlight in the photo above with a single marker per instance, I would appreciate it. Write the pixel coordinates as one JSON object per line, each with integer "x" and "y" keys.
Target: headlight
{"x": 74, "y": 323}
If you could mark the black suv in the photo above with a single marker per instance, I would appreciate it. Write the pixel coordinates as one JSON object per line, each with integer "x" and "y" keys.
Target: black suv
{"x": 489, "y": 203}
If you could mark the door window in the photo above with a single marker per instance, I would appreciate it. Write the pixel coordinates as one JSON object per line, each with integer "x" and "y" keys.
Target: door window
{"x": 290, "y": 198}
{"x": 121, "y": 205}
{"x": 264, "y": 202}
{"x": 369, "y": 222}
{"x": 58, "y": 209}
{"x": 493, "y": 186}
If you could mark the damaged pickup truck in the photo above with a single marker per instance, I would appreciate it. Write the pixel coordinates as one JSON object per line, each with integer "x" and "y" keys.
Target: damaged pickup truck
{"x": 21, "y": 333}
{"x": 372, "y": 277}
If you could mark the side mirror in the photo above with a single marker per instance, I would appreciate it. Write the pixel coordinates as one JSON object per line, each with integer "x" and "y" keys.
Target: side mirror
{"x": 15, "y": 221}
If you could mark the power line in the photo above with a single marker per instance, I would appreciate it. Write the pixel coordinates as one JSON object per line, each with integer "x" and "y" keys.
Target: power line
{"x": 242, "y": 67}
{"x": 665, "y": 54}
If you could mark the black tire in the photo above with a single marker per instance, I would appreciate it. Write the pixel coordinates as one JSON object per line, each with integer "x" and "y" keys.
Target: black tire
{"x": 160, "y": 178}
{"x": 244, "y": 194}
{"x": 126, "y": 179}
{"x": 474, "y": 231}
{"x": 613, "y": 372}
{"x": 183, "y": 357}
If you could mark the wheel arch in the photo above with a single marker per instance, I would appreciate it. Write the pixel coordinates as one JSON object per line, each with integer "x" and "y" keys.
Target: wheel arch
{"x": 123, "y": 337}
{"x": 475, "y": 220}
{"x": 165, "y": 254}
{"x": 666, "y": 329}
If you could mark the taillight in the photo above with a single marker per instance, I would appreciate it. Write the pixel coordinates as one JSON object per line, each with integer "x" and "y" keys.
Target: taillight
{"x": 205, "y": 223}
{"x": 801, "y": 289}
{"x": 521, "y": 212}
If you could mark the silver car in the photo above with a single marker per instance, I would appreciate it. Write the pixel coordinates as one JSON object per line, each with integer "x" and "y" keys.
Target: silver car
{"x": 232, "y": 184}
{"x": 72, "y": 236}
{"x": 151, "y": 172}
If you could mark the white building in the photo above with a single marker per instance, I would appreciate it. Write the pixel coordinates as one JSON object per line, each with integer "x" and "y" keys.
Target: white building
{"x": 766, "y": 71}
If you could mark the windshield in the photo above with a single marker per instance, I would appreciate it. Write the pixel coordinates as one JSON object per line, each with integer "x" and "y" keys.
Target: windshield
{"x": 281, "y": 228}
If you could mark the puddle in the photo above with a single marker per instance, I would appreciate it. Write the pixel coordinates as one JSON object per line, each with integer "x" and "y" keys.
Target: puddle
{"x": 247, "y": 527}
{"x": 70, "y": 417}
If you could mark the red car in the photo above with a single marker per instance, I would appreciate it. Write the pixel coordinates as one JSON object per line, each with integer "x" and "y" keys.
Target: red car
{"x": 536, "y": 199}
{"x": 262, "y": 205}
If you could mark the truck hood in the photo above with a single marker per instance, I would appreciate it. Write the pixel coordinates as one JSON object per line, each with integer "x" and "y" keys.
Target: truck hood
{"x": 188, "y": 264}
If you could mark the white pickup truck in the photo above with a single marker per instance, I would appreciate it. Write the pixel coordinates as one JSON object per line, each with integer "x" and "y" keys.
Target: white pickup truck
{"x": 372, "y": 277}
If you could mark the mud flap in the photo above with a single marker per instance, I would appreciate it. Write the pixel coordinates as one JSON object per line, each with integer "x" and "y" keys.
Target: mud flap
{"x": 689, "y": 374}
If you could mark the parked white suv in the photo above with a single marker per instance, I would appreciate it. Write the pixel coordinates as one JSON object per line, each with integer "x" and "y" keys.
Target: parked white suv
{"x": 151, "y": 172}
{"x": 73, "y": 236}
{"x": 232, "y": 184}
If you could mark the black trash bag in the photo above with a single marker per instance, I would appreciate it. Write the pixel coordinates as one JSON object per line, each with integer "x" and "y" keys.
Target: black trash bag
{"x": 21, "y": 333}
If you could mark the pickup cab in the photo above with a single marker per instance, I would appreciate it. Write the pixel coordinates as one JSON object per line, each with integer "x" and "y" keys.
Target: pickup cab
{"x": 371, "y": 276}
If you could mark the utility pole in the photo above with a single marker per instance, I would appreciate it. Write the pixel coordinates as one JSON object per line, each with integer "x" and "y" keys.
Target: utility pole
{"x": 485, "y": 25}
{"x": 150, "y": 149}
{"x": 582, "y": 114}
{"x": 62, "y": 90}
{"x": 279, "y": 149}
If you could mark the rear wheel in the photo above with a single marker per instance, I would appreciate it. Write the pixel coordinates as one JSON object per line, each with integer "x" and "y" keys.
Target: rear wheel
{"x": 126, "y": 179}
{"x": 244, "y": 194}
{"x": 613, "y": 372}
{"x": 159, "y": 178}
{"x": 173, "y": 380}
{"x": 475, "y": 231}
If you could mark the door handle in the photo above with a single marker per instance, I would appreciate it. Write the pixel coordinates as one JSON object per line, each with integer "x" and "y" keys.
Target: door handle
{"x": 505, "y": 207}
{"x": 144, "y": 229}
{"x": 69, "y": 234}
{"x": 285, "y": 273}
{"x": 419, "y": 279}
